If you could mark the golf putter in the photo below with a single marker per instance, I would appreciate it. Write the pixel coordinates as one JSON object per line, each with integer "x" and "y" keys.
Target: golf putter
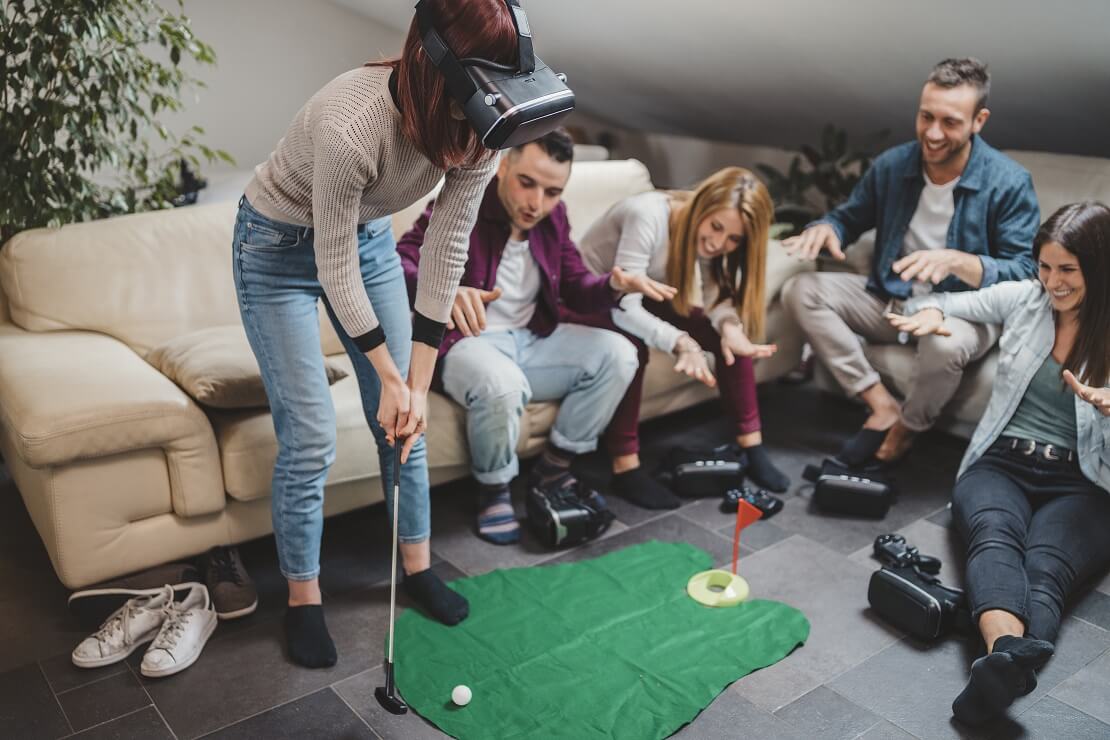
{"x": 387, "y": 695}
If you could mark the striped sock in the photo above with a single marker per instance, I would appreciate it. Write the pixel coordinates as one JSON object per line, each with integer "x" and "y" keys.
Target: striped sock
{"x": 496, "y": 521}
{"x": 553, "y": 464}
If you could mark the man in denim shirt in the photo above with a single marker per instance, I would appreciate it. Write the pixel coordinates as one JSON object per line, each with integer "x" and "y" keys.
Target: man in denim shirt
{"x": 950, "y": 213}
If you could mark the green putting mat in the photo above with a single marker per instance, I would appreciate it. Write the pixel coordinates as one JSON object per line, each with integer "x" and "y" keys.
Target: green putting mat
{"x": 605, "y": 648}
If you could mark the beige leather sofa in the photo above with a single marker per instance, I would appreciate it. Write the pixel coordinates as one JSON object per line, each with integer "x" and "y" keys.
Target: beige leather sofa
{"x": 1058, "y": 179}
{"x": 120, "y": 469}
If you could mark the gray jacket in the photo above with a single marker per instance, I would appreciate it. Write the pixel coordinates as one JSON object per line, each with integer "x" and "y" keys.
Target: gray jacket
{"x": 1028, "y": 333}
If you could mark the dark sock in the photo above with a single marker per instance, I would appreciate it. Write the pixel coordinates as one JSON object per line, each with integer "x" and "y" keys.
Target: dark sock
{"x": 641, "y": 489}
{"x": 1000, "y": 678}
{"x": 307, "y": 637}
{"x": 763, "y": 471}
{"x": 553, "y": 463}
{"x": 436, "y": 597}
{"x": 1029, "y": 654}
{"x": 861, "y": 447}
{"x": 496, "y": 521}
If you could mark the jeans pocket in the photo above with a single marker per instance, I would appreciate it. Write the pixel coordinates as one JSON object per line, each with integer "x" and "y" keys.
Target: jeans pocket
{"x": 267, "y": 236}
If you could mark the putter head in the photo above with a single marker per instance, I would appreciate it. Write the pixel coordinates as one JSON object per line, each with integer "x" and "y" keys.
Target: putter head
{"x": 390, "y": 701}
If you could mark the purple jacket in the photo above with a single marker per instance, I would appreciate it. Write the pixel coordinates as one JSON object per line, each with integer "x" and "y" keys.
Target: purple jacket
{"x": 564, "y": 277}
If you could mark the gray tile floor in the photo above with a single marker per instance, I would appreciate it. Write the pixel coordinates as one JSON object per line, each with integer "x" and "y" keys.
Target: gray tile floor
{"x": 855, "y": 678}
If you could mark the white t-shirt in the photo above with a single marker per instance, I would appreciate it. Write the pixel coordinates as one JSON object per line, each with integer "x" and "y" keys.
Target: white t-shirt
{"x": 518, "y": 277}
{"x": 928, "y": 228}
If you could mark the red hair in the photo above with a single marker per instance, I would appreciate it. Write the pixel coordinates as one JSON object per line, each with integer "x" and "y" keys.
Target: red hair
{"x": 470, "y": 28}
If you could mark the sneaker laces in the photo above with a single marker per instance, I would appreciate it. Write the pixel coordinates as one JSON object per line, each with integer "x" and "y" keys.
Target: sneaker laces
{"x": 172, "y": 628}
{"x": 226, "y": 567}
{"x": 121, "y": 621}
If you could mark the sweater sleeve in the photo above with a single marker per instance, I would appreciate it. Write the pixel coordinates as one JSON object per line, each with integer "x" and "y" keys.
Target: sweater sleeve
{"x": 339, "y": 176}
{"x": 634, "y": 250}
{"x": 447, "y": 239}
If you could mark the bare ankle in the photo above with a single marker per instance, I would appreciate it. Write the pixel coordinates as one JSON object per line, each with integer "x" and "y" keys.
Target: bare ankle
{"x": 624, "y": 463}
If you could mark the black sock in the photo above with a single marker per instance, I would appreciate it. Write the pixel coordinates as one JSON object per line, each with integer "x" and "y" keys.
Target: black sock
{"x": 1029, "y": 654}
{"x": 861, "y": 447}
{"x": 763, "y": 471}
{"x": 1000, "y": 678}
{"x": 553, "y": 463}
{"x": 307, "y": 637}
{"x": 436, "y": 597}
{"x": 641, "y": 489}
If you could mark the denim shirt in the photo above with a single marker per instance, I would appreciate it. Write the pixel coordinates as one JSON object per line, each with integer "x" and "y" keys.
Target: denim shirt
{"x": 1028, "y": 334}
{"x": 996, "y": 216}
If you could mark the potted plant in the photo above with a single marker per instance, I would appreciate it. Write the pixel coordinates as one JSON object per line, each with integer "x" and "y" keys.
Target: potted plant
{"x": 831, "y": 170}
{"x": 82, "y": 85}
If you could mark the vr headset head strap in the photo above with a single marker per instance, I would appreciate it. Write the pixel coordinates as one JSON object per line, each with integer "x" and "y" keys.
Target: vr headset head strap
{"x": 527, "y": 62}
{"x": 458, "y": 81}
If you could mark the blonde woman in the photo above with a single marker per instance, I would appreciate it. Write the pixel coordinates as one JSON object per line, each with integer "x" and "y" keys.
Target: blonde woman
{"x": 720, "y": 230}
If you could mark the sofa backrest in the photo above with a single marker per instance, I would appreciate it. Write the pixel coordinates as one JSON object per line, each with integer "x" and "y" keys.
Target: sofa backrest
{"x": 1060, "y": 179}
{"x": 147, "y": 278}
{"x": 143, "y": 278}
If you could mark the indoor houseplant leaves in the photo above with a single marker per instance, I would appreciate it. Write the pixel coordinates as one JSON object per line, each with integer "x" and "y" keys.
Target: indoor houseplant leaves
{"x": 82, "y": 85}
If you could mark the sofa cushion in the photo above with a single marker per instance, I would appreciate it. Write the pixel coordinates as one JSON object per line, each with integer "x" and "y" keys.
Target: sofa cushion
{"x": 218, "y": 369}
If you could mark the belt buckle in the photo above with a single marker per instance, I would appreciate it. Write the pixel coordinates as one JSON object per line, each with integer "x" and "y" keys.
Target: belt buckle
{"x": 1050, "y": 453}
{"x": 1029, "y": 450}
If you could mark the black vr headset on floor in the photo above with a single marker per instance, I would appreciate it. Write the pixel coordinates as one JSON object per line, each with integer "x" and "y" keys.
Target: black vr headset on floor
{"x": 839, "y": 489}
{"x": 560, "y": 518}
{"x": 506, "y": 105}
{"x": 907, "y": 592}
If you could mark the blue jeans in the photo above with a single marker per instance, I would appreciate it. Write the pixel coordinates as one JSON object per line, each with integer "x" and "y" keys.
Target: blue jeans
{"x": 495, "y": 374}
{"x": 275, "y": 280}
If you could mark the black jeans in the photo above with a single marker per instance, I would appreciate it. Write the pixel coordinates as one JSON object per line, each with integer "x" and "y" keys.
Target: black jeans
{"x": 1034, "y": 529}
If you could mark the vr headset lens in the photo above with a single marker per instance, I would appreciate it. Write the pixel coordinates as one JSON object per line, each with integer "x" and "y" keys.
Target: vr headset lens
{"x": 506, "y": 106}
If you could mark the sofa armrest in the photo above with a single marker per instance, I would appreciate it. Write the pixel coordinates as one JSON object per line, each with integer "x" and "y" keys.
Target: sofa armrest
{"x": 72, "y": 395}
{"x": 780, "y": 268}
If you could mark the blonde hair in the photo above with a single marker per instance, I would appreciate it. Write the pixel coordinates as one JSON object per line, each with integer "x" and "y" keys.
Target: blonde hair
{"x": 731, "y": 187}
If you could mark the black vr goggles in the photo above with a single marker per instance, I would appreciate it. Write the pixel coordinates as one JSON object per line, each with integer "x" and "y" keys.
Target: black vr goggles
{"x": 507, "y": 106}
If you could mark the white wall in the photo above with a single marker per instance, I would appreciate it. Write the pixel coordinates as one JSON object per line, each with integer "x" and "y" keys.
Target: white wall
{"x": 272, "y": 55}
{"x": 679, "y": 161}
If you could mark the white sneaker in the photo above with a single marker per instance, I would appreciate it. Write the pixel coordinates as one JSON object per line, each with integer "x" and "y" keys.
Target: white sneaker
{"x": 187, "y": 628}
{"x": 133, "y": 624}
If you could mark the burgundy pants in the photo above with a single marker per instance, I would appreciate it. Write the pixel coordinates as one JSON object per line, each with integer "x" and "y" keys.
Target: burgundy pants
{"x": 736, "y": 382}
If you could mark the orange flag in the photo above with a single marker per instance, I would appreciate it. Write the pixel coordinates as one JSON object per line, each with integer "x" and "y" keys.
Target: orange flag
{"x": 745, "y": 515}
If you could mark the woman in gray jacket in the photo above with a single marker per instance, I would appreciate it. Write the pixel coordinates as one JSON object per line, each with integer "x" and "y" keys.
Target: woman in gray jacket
{"x": 1032, "y": 499}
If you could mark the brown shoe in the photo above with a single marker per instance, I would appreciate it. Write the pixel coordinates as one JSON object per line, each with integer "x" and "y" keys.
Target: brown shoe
{"x": 233, "y": 592}
{"x": 898, "y": 441}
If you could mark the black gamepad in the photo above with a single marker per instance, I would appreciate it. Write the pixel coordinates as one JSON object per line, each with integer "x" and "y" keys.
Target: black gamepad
{"x": 766, "y": 502}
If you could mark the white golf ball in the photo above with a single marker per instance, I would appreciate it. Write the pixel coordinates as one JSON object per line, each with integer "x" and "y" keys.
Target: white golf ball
{"x": 461, "y": 695}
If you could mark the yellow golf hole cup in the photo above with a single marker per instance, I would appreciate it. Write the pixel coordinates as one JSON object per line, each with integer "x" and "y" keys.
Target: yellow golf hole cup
{"x": 717, "y": 588}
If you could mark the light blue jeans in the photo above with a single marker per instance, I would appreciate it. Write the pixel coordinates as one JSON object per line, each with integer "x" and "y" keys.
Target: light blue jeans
{"x": 275, "y": 280}
{"x": 495, "y": 374}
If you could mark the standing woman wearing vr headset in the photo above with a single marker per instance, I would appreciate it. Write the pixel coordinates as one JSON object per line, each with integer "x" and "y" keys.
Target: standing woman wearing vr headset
{"x": 720, "y": 230}
{"x": 315, "y": 224}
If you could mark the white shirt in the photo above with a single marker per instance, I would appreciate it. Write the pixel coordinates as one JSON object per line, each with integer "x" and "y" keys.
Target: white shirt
{"x": 928, "y": 228}
{"x": 634, "y": 235}
{"x": 518, "y": 277}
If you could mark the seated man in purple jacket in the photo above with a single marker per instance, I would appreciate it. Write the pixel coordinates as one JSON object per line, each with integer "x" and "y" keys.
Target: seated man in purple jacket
{"x": 504, "y": 346}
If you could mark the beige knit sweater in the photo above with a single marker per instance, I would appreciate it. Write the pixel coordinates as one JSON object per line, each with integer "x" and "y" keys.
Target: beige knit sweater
{"x": 344, "y": 161}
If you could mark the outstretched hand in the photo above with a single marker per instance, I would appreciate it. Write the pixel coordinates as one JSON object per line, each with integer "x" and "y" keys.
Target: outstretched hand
{"x": 625, "y": 282}
{"x": 925, "y": 321}
{"x": 809, "y": 243}
{"x": 1097, "y": 397}
{"x": 735, "y": 343}
{"x": 468, "y": 314}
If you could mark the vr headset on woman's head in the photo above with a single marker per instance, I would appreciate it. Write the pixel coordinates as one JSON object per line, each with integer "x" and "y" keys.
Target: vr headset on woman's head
{"x": 506, "y": 106}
